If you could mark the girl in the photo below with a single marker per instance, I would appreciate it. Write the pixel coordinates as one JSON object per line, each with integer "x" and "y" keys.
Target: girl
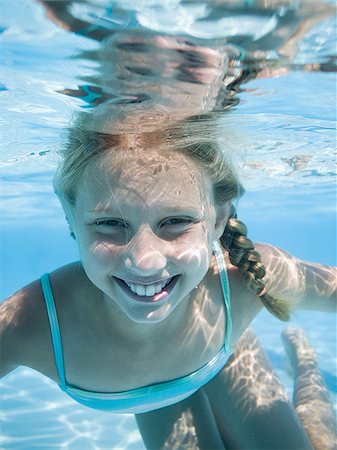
{"x": 167, "y": 283}
{"x": 168, "y": 280}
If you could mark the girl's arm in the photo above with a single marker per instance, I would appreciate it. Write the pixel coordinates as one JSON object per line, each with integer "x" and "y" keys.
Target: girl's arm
{"x": 187, "y": 424}
{"x": 58, "y": 11}
{"x": 24, "y": 332}
{"x": 306, "y": 285}
{"x": 11, "y": 345}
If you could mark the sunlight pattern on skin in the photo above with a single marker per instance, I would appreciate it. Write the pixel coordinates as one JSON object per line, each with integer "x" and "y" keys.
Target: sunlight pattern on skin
{"x": 9, "y": 310}
{"x": 323, "y": 281}
{"x": 293, "y": 280}
{"x": 143, "y": 217}
{"x": 284, "y": 279}
{"x": 311, "y": 397}
{"x": 188, "y": 80}
{"x": 249, "y": 371}
{"x": 183, "y": 436}
{"x": 208, "y": 321}
{"x": 153, "y": 258}
{"x": 194, "y": 256}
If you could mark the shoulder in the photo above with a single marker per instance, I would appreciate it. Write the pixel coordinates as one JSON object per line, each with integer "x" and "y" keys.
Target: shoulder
{"x": 284, "y": 272}
{"x": 21, "y": 311}
{"x": 23, "y": 321}
{"x": 274, "y": 257}
{"x": 245, "y": 305}
{"x": 270, "y": 252}
{"x": 283, "y": 281}
{"x": 25, "y": 330}
{"x": 25, "y": 308}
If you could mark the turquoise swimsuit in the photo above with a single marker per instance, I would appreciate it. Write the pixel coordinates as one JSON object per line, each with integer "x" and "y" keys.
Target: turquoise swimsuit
{"x": 147, "y": 398}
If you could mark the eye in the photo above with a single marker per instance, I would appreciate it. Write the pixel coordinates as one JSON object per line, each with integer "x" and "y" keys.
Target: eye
{"x": 110, "y": 223}
{"x": 177, "y": 221}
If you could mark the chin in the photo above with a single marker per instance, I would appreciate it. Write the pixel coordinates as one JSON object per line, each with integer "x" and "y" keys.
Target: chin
{"x": 149, "y": 317}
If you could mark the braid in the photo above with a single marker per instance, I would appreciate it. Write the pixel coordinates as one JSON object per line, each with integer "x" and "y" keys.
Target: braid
{"x": 243, "y": 255}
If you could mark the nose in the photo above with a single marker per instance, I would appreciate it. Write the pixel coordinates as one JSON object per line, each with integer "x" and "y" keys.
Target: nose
{"x": 145, "y": 253}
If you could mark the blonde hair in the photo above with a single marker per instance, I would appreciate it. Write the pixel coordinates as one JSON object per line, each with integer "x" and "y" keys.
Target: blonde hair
{"x": 195, "y": 138}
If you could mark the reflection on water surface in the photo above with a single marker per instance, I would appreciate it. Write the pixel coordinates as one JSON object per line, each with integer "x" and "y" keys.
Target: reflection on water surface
{"x": 263, "y": 70}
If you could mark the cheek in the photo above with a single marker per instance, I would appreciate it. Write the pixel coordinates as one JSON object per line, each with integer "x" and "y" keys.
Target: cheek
{"x": 196, "y": 251}
{"x": 101, "y": 250}
{"x": 98, "y": 252}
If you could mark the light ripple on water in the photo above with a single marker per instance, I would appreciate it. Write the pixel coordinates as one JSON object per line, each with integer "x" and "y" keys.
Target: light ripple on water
{"x": 278, "y": 152}
{"x": 288, "y": 144}
{"x": 278, "y": 133}
{"x": 48, "y": 416}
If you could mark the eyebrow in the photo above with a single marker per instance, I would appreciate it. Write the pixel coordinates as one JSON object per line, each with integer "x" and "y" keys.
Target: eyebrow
{"x": 100, "y": 209}
{"x": 168, "y": 210}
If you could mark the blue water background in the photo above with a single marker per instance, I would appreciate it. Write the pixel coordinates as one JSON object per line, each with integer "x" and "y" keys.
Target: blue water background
{"x": 283, "y": 117}
{"x": 36, "y": 414}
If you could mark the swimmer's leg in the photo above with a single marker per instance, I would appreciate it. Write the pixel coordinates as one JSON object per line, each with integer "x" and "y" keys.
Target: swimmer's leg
{"x": 188, "y": 425}
{"x": 311, "y": 397}
{"x": 250, "y": 404}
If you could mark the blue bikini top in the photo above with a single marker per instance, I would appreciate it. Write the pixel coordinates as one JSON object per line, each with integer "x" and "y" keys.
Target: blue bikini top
{"x": 151, "y": 397}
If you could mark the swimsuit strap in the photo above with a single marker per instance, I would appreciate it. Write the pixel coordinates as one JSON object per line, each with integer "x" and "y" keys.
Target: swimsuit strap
{"x": 54, "y": 328}
{"x": 226, "y": 293}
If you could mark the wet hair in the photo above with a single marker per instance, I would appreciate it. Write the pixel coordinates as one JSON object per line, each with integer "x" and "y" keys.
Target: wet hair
{"x": 194, "y": 139}
{"x": 243, "y": 255}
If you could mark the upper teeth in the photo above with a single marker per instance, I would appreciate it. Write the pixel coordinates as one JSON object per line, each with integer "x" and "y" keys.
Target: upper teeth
{"x": 148, "y": 291}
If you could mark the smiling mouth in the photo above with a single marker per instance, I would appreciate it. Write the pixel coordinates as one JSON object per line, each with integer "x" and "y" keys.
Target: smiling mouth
{"x": 152, "y": 292}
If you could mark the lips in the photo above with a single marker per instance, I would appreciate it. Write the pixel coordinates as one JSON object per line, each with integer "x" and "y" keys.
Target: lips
{"x": 152, "y": 293}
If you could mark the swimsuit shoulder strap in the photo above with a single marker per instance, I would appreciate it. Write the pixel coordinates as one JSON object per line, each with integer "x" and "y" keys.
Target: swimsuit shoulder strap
{"x": 54, "y": 328}
{"x": 225, "y": 291}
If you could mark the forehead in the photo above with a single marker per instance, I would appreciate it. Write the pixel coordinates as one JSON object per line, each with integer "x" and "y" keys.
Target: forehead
{"x": 146, "y": 177}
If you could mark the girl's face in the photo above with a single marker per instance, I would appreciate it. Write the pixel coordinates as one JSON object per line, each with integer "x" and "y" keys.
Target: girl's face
{"x": 144, "y": 223}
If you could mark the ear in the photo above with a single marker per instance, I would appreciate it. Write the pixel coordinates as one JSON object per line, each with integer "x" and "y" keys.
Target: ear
{"x": 221, "y": 219}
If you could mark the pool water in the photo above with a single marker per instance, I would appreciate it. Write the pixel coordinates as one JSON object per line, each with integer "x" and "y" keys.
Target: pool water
{"x": 287, "y": 132}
